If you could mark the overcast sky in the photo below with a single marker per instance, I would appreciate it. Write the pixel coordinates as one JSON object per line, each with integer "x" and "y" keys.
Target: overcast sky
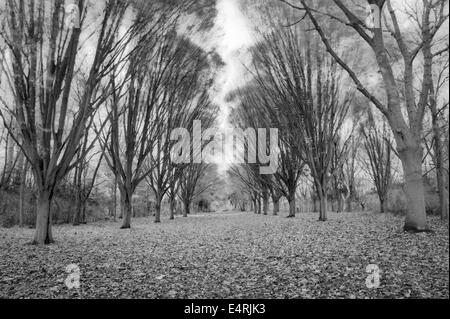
{"x": 232, "y": 38}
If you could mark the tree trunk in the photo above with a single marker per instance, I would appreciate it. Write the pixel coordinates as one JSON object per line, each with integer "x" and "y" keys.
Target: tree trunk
{"x": 340, "y": 207}
{"x": 258, "y": 201}
{"x": 23, "y": 179}
{"x": 21, "y": 163}
{"x": 443, "y": 195}
{"x": 416, "y": 219}
{"x": 83, "y": 212}
{"x": 323, "y": 206}
{"x": 255, "y": 206}
{"x": 349, "y": 204}
{"x": 76, "y": 216}
{"x": 158, "y": 209}
{"x": 10, "y": 159}
{"x": 122, "y": 205}
{"x": 439, "y": 158}
{"x": 276, "y": 206}
{"x": 114, "y": 199}
{"x": 291, "y": 200}
{"x": 43, "y": 233}
{"x": 186, "y": 208}
{"x": 127, "y": 210}
{"x": 383, "y": 204}
{"x": 265, "y": 204}
{"x": 172, "y": 208}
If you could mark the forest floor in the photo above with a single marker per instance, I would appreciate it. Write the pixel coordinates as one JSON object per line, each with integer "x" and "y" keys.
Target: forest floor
{"x": 231, "y": 255}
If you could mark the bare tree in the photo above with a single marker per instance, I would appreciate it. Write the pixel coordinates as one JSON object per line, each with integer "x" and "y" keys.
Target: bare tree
{"x": 310, "y": 94}
{"x": 250, "y": 114}
{"x": 377, "y": 145}
{"x": 133, "y": 107}
{"x": 186, "y": 97}
{"x": 437, "y": 113}
{"x": 190, "y": 186}
{"x": 350, "y": 170}
{"x": 43, "y": 51}
{"x": 84, "y": 182}
{"x": 429, "y": 18}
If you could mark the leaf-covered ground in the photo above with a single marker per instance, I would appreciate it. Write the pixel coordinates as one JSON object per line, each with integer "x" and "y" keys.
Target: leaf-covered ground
{"x": 230, "y": 255}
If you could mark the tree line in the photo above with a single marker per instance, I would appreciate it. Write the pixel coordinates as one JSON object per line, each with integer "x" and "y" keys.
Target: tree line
{"x": 332, "y": 121}
{"x": 103, "y": 82}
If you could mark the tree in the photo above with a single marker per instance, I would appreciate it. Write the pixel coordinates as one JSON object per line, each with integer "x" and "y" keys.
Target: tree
{"x": 429, "y": 17}
{"x": 437, "y": 113}
{"x": 43, "y": 54}
{"x": 311, "y": 96}
{"x": 377, "y": 145}
{"x": 350, "y": 170}
{"x": 257, "y": 102}
{"x": 190, "y": 187}
{"x": 83, "y": 183}
{"x": 250, "y": 115}
{"x": 136, "y": 107}
{"x": 186, "y": 97}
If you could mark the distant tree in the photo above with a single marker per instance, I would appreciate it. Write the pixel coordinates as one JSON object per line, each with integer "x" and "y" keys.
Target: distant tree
{"x": 190, "y": 187}
{"x": 308, "y": 90}
{"x": 378, "y": 160}
{"x": 136, "y": 107}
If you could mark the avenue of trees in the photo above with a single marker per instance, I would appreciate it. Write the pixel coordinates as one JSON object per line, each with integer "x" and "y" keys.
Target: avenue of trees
{"x": 91, "y": 82}
{"x": 336, "y": 124}
{"x": 90, "y": 89}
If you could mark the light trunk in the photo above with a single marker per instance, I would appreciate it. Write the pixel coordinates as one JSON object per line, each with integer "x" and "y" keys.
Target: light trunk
{"x": 258, "y": 201}
{"x": 43, "y": 233}
{"x": 276, "y": 206}
{"x": 127, "y": 210}
{"x": 76, "y": 216}
{"x": 416, "y": 219}
{"x": 340, "y": 207}
{"x": 291, "y": 200}
{"x": 349, "y": 204}
{"x": 265, "y": 204}
{"x": 443, "y": 194}
{"x": 172, "y": 208}
{"x": 158, "y": 209}
{"x": 323, "y": 206}
{"x": 440, "y": 171}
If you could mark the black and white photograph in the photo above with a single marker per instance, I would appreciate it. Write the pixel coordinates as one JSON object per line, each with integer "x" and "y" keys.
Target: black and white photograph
{"x": 224, "y": 156}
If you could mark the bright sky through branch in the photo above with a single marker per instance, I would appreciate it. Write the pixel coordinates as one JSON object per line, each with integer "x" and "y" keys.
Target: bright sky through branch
{"x": 233, "y": 43}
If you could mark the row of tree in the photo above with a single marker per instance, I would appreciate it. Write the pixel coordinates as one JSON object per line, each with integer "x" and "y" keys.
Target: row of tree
{"x": 302, "y": 84}
{"x": 108, "y": 82}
